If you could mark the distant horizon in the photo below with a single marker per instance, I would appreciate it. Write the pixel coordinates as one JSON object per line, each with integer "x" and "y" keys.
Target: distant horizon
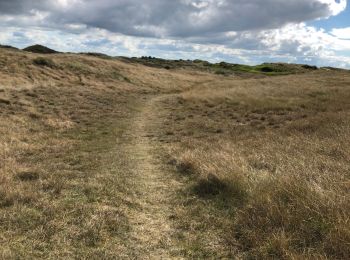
{"x": 170, "y": 59}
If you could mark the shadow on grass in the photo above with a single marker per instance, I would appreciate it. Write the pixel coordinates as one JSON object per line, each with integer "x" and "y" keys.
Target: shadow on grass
{"x": 232, "y": 193}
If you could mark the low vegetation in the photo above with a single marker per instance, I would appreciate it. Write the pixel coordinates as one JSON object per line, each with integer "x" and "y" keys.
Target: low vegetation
{"x": 260, "y": 164}
{"x": 40, "y": 61}
{"x": 224, "y": 68}
{"x": 99, "y": 55}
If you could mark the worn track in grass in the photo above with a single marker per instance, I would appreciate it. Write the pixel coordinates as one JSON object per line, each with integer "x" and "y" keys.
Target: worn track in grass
{"x": 154, "y": 187}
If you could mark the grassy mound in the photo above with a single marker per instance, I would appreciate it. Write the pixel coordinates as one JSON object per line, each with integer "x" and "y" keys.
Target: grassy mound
{"x": 40, "y": 49}
{"x": 8, "y": 47}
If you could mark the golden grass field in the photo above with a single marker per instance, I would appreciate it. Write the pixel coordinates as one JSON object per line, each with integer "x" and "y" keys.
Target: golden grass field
{"x": 111, "y": 159}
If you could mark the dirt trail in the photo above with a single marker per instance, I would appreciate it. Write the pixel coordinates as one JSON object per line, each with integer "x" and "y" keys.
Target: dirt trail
{"x": 154, "y": 189}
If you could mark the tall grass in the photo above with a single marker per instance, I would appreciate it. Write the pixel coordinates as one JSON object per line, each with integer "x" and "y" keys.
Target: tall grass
{"x": 286, "y": 184}
{"x": 290, "y": 195}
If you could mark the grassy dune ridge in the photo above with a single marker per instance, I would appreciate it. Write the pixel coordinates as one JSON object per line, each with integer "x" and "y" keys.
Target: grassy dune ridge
{"x": 263, "y": 162}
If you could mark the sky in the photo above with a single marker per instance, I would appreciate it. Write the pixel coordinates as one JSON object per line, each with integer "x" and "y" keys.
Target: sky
{"x": 315, "y": 32}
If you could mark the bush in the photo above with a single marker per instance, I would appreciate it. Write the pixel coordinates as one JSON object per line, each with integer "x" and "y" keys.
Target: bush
{"x": 267, "y": 69}
{"x": 308, "y": 67}
{"x": 225, "y": 65}
{"x": 97, "y": 55}
{"x": 45, "y": 62}
{"x": 221, "y": 72}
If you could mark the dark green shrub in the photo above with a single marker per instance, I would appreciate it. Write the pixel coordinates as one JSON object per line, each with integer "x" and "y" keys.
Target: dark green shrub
{"x": 267, "y": 69}
{"x": 308, "y": 67}
{"x": 45, "y": 62}
{"x": 221, "y": 72}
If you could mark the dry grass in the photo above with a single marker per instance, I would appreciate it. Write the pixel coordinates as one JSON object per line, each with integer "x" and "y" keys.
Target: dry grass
{"x": 264, "y": 162}
{"x": 66, "y": 183}
{"x": 61, "y": 194}
{"x": 272, "y": 159}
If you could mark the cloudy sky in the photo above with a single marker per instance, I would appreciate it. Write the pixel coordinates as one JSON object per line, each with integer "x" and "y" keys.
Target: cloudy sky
{"x": 241, "y": 31}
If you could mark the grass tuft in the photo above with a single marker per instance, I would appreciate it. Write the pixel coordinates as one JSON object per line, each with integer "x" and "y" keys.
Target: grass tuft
{"x": 28, "y": 176}
{"x": 44, "y": 62}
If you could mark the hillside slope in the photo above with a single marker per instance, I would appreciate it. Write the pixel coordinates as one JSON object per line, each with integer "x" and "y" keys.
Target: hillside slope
{"x": 109, "y": 158}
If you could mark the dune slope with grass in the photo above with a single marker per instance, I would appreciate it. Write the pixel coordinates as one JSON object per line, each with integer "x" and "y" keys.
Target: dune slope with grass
{"x": 108, "y": 158}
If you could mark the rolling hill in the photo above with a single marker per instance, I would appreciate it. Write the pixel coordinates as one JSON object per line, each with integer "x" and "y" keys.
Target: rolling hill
{"x": 136, "y": 158}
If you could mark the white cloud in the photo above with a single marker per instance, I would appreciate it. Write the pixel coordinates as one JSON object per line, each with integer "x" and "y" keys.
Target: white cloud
{"x": 335, "y": 7}
{"x": 174, "y": 18}
{"x": 342, "y": 33}
{"x": 249, "y": 31}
